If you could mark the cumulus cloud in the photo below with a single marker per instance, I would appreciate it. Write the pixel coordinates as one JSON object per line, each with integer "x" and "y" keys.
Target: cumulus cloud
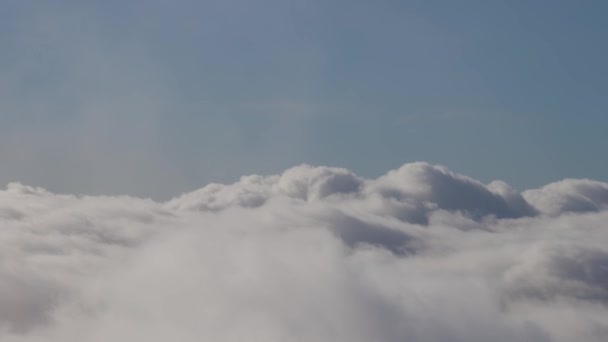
{"x": 311, "y": 254}
{"x": 570, "y": 195}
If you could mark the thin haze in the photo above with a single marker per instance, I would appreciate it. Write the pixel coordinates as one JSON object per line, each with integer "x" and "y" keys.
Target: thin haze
{"x": 160, "y": 97}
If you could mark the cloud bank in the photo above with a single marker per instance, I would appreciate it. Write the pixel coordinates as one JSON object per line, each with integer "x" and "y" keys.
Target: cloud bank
{"x": 312, "y": 254}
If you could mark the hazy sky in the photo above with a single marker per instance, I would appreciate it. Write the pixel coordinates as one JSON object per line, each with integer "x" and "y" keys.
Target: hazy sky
{"x": 154, "y": 98}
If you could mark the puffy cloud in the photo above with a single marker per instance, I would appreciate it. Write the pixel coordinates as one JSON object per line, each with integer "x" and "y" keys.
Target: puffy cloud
{"x": 409, "y": 193}
{"x": 569, "y": 195}
{"x": 303, "y": 182}
{"x": 315, "y": 253}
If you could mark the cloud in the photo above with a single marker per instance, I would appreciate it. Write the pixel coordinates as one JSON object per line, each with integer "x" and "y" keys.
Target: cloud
{"x": 314, "y": 254}
{"x": 410, "y": 192}
{"x": 569, "y": 195}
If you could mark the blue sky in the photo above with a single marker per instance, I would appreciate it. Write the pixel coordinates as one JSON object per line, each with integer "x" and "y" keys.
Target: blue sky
{"x": 159, "y": 97}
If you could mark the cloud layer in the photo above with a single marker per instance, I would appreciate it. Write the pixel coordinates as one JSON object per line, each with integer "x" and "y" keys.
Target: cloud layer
{"x": 312, "y": 254}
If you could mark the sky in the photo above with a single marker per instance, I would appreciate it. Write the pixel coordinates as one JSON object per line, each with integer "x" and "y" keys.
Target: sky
{"x": 157, "y": 98}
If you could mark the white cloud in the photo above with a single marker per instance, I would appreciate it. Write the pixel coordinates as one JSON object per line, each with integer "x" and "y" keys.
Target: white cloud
{"x": 570, "y": 195}
{"x": 312, "y": 254}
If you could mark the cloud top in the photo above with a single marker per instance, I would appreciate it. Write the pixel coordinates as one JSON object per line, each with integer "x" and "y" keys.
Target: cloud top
{"x": 314, "y": 253}
{"x": 418, "y": 188}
